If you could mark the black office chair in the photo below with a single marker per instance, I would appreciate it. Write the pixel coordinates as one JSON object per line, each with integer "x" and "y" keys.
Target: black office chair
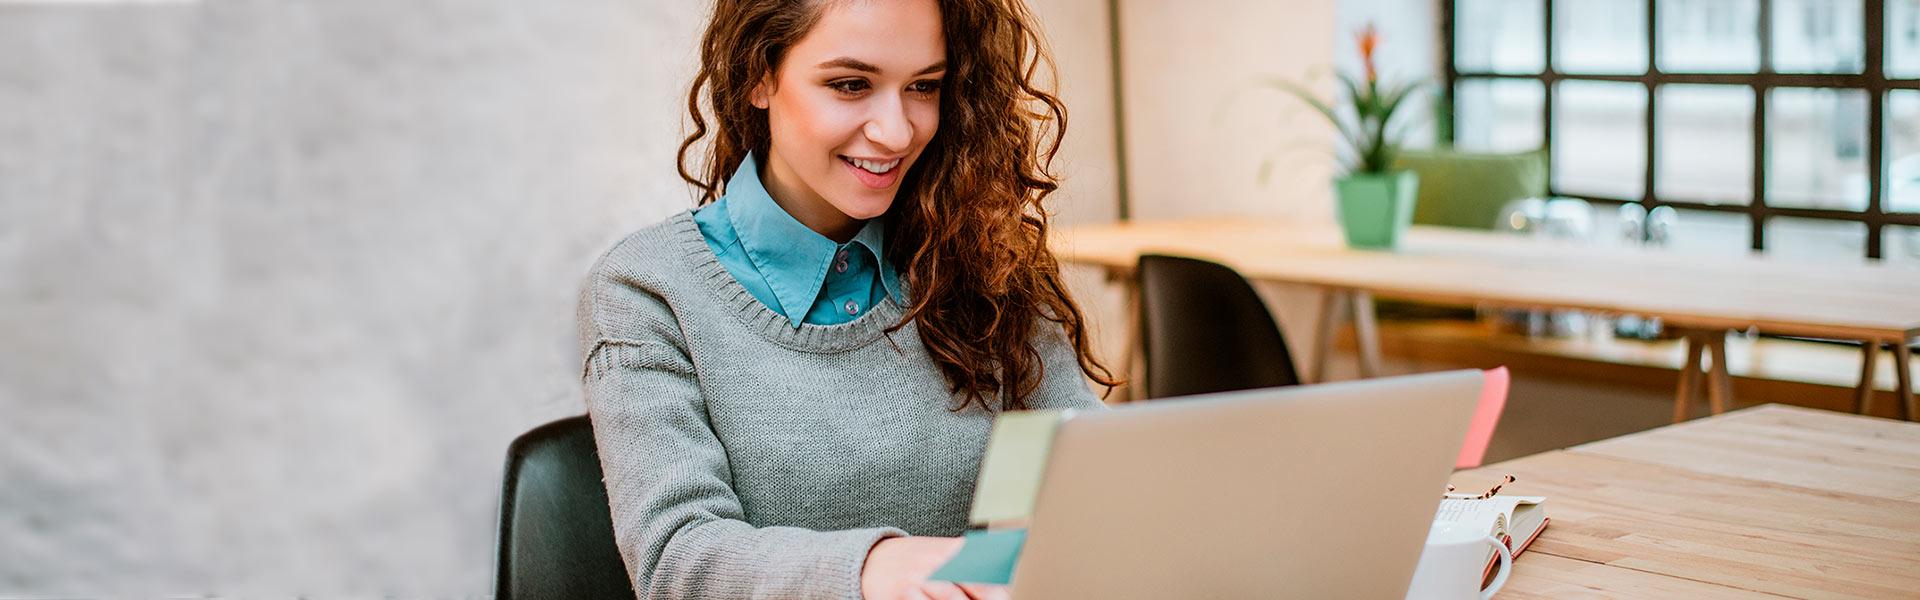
{"x": 1204, "y": 330}
{"x": 556, "y": 536}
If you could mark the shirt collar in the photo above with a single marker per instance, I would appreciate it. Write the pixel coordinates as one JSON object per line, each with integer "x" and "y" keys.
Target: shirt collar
{"x": 873, "y": 235}
{"x": 792, "y": 257}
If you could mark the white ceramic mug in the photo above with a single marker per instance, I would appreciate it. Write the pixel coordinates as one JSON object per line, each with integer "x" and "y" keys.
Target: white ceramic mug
{"x": 1453, "y": 562}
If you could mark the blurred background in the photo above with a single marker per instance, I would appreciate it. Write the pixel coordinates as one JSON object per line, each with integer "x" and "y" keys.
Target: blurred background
{"x": 280, "y": 279}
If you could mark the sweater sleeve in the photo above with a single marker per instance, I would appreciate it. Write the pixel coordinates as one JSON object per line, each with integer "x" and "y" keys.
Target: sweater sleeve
{"x": 676, "y": 519}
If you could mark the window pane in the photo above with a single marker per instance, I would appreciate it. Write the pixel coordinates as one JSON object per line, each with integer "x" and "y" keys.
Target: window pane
{"x": 1499, "y": 36}
{"x": 1599, "y": 138}
{"x": 1706, "y": 144}
{"x": 1900, "y": 244}
{"x": 1498, "y": 115}
{"x": 1816, "y": 239}
{"x": 1903, "y": 151}
{"x": 1817, "y": 36}
{"x": 1710, "y": 36}
{"x": 1816, "y": 148}
{"x": 1600, "y": 36}
{"x": 1711, "y": 232}
{"x": 1903, "y": 38}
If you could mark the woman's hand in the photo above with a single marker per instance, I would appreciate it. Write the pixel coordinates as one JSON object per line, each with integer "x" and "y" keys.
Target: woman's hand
{"x": 897, "y": 569}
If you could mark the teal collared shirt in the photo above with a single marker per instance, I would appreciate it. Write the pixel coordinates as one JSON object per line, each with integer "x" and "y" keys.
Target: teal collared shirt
{"x": 800, "y": 274}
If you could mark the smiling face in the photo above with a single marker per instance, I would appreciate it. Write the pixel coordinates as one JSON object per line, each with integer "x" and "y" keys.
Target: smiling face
{"x": 850, "y": 108}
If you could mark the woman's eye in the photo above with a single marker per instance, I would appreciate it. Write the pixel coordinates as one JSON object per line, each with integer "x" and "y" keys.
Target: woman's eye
{"x": 849, "y": 86}
{"x": 926, "y": 87}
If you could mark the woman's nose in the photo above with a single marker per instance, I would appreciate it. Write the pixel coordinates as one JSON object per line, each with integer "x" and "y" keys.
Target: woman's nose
{"x": 888, "y": 127}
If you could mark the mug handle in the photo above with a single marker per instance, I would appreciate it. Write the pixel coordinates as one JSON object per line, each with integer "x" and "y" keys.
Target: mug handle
{"x": 1506, "y": 567}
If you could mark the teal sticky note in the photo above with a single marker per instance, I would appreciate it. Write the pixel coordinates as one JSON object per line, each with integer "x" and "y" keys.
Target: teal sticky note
{"x": 985, "y": 557}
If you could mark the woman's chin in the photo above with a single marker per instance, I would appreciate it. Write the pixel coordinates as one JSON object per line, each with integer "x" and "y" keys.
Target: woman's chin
{"x": 861, "y": 209}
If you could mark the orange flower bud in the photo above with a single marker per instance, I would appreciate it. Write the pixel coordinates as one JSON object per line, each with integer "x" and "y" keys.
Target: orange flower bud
{"x": 1368, "y": 38}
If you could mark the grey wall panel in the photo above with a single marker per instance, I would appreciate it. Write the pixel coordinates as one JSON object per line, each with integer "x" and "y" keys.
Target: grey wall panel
{"x": 280, "y": 279}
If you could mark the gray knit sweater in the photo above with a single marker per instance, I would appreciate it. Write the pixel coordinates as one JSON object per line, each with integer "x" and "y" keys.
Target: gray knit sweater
{"x": 745, "y": 458}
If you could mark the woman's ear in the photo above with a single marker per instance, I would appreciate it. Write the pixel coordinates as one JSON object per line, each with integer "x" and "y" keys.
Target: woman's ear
{"x": 759, "y": 95}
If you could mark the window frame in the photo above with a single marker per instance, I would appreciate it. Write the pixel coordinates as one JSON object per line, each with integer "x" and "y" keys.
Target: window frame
{"x": 1872, "y": 80}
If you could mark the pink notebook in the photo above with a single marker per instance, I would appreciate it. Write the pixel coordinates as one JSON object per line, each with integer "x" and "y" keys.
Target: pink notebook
{"x": 1493, "y": 397}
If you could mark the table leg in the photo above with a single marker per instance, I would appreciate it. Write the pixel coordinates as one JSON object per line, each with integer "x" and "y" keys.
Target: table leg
{"x": 1719, "y": 379}
{"x": 1869, "y": 359}
{"x": 1689, "y": 376}
{"x": 1366, "y": 334}
{"x": 1903, "y": 379}
{"x": 1330, "y": 304}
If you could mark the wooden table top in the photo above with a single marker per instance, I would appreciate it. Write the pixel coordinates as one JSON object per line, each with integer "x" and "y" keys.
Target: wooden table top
{"x": 1857, "y": 299}
{"x": 1771, "y": 501}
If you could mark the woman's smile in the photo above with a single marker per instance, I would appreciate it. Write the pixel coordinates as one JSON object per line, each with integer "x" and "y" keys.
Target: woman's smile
{"x": 876, "y": 174}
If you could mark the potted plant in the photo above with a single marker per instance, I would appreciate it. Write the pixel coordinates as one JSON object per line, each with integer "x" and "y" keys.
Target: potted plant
{"x": 1375, "y": 201}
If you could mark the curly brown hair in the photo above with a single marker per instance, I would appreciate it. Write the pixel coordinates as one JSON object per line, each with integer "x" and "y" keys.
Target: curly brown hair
{"x": 968, "y": 228}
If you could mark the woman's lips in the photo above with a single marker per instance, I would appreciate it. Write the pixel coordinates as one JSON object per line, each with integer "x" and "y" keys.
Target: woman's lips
{"x": 878, "y": 181}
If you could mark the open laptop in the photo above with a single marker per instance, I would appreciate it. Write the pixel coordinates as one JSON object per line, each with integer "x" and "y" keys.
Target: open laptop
{"x": 1322, "y": 491}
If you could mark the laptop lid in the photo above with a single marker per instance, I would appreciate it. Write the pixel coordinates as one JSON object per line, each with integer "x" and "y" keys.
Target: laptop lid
{"x": 1311, "y": 491}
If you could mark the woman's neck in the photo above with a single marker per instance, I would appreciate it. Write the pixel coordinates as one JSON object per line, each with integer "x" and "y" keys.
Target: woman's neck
{"x": 804, "y": 205}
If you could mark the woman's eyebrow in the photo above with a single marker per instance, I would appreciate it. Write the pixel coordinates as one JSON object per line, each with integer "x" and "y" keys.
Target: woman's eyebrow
{"x": 859, "y": 65}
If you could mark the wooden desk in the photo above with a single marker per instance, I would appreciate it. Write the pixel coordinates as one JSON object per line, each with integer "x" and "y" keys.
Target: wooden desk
{"x": 1771, "y": 500}
{"x": 1702, "y": 296}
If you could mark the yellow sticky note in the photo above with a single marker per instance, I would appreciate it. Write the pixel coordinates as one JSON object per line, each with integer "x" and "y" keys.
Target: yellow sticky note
{"x": 1015, "y": 460}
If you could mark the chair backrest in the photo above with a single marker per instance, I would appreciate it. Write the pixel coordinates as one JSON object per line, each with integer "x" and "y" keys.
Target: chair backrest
{"x": 556, "y": 534}
{"x": 1205, "y": 330}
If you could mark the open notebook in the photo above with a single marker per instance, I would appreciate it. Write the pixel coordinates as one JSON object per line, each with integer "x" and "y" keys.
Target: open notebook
{"x": 1516, "y": 520}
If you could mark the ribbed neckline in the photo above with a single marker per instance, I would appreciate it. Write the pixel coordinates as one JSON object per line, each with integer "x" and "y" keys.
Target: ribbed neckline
{"x": 823, "y": 339}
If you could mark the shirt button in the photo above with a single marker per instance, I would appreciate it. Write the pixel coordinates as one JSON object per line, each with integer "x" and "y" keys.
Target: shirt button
{"x": 840, "y": 267}
{"x": 852, "y": 307}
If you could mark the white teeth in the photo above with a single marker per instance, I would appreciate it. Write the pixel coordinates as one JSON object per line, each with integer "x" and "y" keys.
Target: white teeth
{"x": 877, "y": 168}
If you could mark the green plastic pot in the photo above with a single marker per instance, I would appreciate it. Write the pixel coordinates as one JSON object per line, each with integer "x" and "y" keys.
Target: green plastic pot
{"x": 1375, "y": 208}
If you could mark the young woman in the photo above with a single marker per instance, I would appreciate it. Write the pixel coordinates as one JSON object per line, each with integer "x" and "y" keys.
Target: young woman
{"x": 792, "y": 385}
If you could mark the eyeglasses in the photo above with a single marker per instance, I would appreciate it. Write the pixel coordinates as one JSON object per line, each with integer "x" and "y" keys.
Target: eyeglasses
{"x": 1490, "y": 492}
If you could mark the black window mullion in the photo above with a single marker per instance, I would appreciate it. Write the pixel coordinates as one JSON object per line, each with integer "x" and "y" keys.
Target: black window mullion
{"x": 1828, "y": 214}
{"x": 1451, "y": 72}
{"x": 1852, "y": 81}
{"x": 1875, "y": 40}
{"x": 1757, "y": 205}
{"x": 1549, "y": 79}
{"x": 1762, "y": 85}
{"x": 1650, "y": 118}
